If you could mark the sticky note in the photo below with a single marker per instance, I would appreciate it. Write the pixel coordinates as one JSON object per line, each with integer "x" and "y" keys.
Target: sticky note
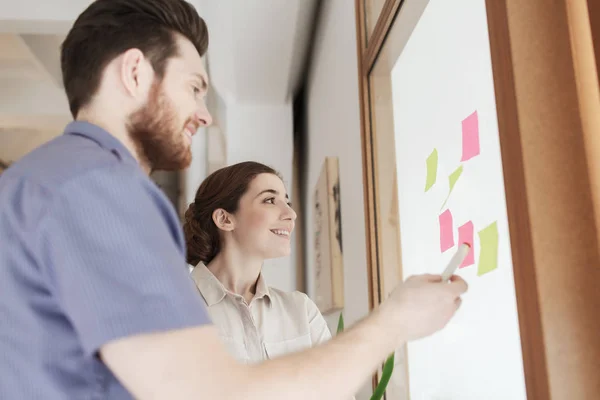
{"x": 465, "y": 235}
{"x": 452, "y": 179}
{"x": 432, "y": 166}
{"x": 488, "y": 253}
{"x": 470, "y": 137}
{"x": 446, "y": 231}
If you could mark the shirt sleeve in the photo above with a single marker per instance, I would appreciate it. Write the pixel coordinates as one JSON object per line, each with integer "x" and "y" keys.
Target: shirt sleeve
{"x": 319, "y": 331}
{"x": 115, "y": 261}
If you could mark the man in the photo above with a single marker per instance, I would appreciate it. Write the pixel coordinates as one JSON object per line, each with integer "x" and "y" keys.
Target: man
{"x": 96, "y": 299}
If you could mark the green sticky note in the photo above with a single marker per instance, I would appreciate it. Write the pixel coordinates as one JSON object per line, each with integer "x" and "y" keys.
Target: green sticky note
{"x": 432, "y": 166}
{"x": 453, "y": 178}
{"x": 488, "y": 253}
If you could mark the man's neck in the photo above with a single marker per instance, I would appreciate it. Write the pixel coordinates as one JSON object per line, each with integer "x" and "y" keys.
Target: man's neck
{"x": 239, "y": 274}
{"x": 116, "y": 129}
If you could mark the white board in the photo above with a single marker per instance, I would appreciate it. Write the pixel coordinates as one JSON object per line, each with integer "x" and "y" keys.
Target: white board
{"x": 442, "y": 77}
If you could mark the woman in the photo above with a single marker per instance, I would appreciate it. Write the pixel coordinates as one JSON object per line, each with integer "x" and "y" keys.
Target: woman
{"x": 240, "y": 217}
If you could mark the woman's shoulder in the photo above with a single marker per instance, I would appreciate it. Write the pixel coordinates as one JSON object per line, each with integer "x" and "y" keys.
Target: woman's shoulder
{"x": 286, "y": 299}
{"x": 294, "y": 295}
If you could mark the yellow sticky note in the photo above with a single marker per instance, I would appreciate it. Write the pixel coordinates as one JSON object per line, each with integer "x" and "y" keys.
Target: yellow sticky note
{"x": 452, "y": 179}
{"x": 432, "y": 166}
{"x": 488, "y": 253}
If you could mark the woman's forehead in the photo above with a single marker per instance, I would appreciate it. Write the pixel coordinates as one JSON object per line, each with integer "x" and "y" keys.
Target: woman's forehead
{"x": 266, "y": 182}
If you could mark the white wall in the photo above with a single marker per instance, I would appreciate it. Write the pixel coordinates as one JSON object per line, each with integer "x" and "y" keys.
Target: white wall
{"x": 261, "y": 132}
{"x": 334, "y": 130}
{"x": 197, "y": 171}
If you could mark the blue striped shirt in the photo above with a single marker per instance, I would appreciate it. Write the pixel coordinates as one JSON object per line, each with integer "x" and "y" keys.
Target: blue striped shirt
{"x": 90, "y": 251}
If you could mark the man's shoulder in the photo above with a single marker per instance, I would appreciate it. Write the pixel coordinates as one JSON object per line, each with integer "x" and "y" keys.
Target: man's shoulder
{"x": 64, "y": 159}
{"x": 64, "y": 166}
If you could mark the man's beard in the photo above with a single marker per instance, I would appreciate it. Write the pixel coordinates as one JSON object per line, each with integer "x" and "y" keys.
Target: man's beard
{"x": 159, "y": 140}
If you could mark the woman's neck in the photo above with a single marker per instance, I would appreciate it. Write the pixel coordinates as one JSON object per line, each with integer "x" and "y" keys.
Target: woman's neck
{"x": 236, "y": 272}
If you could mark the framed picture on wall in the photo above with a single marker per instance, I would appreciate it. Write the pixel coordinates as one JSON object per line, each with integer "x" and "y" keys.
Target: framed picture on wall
{"x": 329, "y": 264}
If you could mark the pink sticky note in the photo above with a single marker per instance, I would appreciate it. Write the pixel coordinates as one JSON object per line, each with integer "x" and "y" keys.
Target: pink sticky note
{"x": 446, "y": 231}
{"x": 465, "y": 235}
{"x": 470, "y": 137}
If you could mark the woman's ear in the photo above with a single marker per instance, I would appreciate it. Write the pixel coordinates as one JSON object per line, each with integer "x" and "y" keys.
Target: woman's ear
{"x": 223, "y": 220}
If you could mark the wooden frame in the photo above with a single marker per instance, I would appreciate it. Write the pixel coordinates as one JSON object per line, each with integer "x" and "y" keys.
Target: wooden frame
{"x": 547, "y": 58}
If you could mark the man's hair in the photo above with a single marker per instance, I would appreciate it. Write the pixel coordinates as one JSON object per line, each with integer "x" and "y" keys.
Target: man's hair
{"x": 108, "y": 28}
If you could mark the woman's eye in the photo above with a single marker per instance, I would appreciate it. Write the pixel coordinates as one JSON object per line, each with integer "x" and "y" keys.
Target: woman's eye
{"x": 270, "y": 200}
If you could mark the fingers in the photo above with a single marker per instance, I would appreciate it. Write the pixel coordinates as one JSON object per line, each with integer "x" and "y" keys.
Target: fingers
{"x": 458, "y": 302}
{"x": 458, "y": 285}
{"x": 431, "y": 278}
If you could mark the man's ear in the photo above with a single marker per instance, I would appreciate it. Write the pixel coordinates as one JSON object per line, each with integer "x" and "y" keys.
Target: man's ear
{"x": 135, "y": 73}
{"x": 223, "y": 220}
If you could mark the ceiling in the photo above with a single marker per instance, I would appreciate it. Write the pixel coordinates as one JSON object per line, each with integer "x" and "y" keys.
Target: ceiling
{"x": 256, "y": 55}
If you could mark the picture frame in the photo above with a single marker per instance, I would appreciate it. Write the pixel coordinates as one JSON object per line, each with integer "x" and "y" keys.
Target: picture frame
{"x": 328, "y": 244}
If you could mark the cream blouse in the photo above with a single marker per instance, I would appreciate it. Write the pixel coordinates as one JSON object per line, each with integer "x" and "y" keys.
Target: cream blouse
{"x": 273, "y": 324}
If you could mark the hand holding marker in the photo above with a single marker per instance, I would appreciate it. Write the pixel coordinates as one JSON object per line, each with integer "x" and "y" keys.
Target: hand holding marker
{"x": 456, "y": 261}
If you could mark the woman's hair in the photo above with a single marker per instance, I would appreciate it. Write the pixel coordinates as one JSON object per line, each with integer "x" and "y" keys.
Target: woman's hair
{"x": 222, "y": 189}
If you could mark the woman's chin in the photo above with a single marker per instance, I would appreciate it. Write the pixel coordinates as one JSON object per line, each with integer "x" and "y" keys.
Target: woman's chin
{"x": 278, "y": 253}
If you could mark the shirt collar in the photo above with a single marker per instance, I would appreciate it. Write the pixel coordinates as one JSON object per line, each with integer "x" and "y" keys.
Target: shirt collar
{"x": 213, "y": 290}
{"x": 100, "y": 136}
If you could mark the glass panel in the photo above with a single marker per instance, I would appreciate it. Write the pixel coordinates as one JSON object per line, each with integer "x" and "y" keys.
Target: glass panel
{"x": 439, "y": 182}
{"x": 372, "y": 12}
